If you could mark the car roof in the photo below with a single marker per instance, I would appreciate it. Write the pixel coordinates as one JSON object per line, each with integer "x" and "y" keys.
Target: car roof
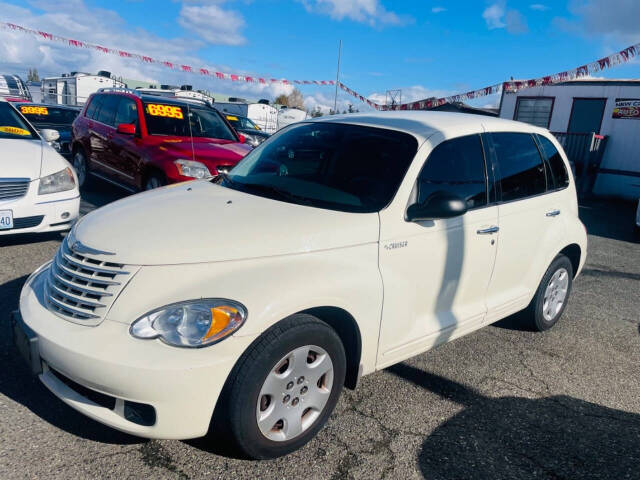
{"x": 425, "y": 123}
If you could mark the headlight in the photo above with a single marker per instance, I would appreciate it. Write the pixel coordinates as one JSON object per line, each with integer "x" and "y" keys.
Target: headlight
{"x": 194, "y": 323}
{"x": 57, "y": 182}
{"x": 190, "y": 168}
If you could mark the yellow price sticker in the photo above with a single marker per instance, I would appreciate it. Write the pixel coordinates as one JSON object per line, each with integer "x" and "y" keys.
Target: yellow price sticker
{"x": 32, "y": 110}
{"x": 15, "y": 131}
{"x": 169, "y": 111}
{"x": 231, "y": 118}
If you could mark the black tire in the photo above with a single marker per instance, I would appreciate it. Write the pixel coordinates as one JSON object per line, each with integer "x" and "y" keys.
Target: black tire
{"x": 81, "y": 166}
{"x": 155, "y": 180}
{"x": 238, "y": 406}
{"x": 534, "y": 314}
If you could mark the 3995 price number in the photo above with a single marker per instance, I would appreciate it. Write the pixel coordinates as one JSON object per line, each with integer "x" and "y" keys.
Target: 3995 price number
{"x": 31, "y": 110}
{"x": 170, "y": 111}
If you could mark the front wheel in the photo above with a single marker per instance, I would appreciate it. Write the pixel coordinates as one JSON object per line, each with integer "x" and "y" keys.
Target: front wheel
{"x": 155, "y": 180}
{"x": 284, "y": 387}
{"x": 552, "y": 295}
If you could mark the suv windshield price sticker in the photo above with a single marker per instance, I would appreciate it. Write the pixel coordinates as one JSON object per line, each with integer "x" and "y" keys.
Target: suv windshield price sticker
{"x": 157, "y": 110}
{"x": 31, "y": 110}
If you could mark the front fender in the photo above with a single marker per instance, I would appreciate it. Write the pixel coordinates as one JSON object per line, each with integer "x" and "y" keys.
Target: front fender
{"x": 271, "y": 289}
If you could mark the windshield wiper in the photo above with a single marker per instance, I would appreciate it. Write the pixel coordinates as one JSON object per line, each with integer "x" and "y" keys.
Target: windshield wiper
{"x": 279, "y": 192}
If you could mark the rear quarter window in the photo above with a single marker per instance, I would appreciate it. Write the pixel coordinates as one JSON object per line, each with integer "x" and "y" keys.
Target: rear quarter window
{"x": 559, "y": 177}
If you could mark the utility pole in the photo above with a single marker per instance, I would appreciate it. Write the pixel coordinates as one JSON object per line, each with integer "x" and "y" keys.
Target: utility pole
{"x": 335, "y": 100}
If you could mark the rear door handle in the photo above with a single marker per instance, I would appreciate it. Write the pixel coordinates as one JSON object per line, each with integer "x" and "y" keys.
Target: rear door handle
{"x": 488, "y": 230}
{"x": 553, "y": 213}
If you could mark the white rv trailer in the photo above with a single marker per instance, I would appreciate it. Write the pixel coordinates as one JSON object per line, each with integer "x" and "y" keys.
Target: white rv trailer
{"x": 75, "y": 88}
{"x": 13, "y": 86}
{"x": 605, "y": 107}
{"x": 287, "y": 116}
{"x": 185, "y": 91}
{"x": 263, "y": 115}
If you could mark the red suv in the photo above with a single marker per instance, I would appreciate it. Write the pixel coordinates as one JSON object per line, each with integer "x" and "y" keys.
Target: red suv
{"x": 144, "y": 141}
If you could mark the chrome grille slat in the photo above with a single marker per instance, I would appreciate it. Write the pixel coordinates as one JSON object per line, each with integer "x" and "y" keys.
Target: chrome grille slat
{"x": 83, "y": 301}
{"x": 13, "y": 188}
{"x": 82, "y": 287}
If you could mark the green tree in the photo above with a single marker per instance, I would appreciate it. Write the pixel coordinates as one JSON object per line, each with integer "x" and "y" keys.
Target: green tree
{"x": 32, "y": 75}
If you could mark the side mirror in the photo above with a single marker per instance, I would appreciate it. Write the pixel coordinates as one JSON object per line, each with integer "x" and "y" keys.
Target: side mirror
{"x": 438, "y": 205}
{"x": 242, "y": 138}
{"x": 127, "y": 128}
{"x": 49, "y": 135}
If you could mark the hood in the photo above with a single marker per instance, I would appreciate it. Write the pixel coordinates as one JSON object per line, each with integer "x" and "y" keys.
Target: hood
{"x": 257, "y": 133}
{"x": 196, "y": 222}
{"x": 21, "y": 158}
{"x": 207, "y": 150}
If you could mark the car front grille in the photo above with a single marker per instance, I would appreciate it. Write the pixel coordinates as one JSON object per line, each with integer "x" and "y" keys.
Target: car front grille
{"x": 81, "y": 287}
{"x": 12, "y": 188}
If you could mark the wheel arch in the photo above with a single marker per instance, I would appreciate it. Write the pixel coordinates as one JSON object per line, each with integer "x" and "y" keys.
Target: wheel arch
{"x": 349, "y": 332}
{"x": 574, "y": 253}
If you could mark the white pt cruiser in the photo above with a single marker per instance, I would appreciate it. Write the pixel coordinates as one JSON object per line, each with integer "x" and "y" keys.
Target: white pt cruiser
{"x": 336, "y": 248}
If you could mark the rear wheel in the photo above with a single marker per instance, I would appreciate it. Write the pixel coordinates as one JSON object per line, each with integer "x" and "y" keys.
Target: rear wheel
{"x": 284, "y": 387}
{"x": 552, "y": 295}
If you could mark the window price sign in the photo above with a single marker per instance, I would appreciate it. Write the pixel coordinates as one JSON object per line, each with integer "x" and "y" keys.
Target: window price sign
{"x": 627, "y": 108}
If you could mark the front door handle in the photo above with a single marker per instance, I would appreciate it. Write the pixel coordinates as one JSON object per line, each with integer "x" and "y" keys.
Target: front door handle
{"x": 553, "y": 213}
{"x": 488, "y": 230}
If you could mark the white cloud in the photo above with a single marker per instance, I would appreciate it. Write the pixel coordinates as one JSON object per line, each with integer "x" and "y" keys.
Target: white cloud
{"x": 598, "y": 18}
{"x": 371, "y": 12}
{"x": 438, "y": 10}
{"x": 213, "y": 23}
{"x": 77, "y": 20}
{"x": 494, "y": 15}
{"x": 539, "y": 7}
{"x": 497, "y": 16}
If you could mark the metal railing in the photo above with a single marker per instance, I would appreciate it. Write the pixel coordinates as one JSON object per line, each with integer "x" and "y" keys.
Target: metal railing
{"x": 585, "y": 152}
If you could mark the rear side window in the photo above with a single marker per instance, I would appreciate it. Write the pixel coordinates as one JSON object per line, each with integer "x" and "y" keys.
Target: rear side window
{"x": 456, "y": 166}
{"x": 520, "y": 169}
{"x": 94, "y": 107}
{"x": 108, "y": 109}
{"x": 559, "y": 177}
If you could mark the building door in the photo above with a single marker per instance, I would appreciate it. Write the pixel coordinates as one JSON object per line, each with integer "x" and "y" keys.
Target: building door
{"x": 586, "y": 115}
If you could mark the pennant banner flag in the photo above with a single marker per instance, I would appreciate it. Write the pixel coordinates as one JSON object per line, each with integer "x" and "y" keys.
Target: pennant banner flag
{"x": 610, "y": 61}
{"x": 150, "y": 60}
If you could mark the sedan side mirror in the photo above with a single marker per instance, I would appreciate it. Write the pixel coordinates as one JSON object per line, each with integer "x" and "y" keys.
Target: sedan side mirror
{"x": 242, "y": 138}
{"x": 437, "y": 205}
{"x": 127, "y": 128}
{"x": 49, "y": 135}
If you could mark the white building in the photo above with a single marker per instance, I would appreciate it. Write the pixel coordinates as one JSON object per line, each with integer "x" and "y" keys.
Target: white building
{"x": 75, "y": 88}
{"x": 605, "y": 107}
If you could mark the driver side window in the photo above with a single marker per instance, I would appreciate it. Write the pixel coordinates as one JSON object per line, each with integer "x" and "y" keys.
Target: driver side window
{"x": 456, "y": 166}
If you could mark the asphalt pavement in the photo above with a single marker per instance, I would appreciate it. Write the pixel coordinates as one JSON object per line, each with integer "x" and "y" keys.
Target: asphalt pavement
{"x": 503, "y": 402}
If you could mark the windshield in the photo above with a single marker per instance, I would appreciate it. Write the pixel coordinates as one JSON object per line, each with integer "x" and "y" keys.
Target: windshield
{"x": 12, "y": 125}
{"x": 328, "y": 165}
{"x": 242, "y": 123}
{"x": 47, "y": 115}
{"x": 163, "y": 119}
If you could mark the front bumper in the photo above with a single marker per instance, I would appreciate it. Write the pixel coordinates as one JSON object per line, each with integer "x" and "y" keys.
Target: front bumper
{"x": 182, "y": 385}
{"x": 35, "y": 213}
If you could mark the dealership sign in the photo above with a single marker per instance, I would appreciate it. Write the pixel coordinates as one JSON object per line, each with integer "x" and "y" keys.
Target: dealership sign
{"x": 627, "y": 108}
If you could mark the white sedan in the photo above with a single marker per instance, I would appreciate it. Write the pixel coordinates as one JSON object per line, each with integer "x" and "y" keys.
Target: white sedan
{"x": 38, "y": 188}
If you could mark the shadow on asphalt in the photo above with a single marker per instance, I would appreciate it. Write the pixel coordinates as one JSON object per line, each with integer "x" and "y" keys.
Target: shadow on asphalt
{"x": 18, "y": 384}
{"x": 557, "y": 437}
{"x": 609, "y": 218}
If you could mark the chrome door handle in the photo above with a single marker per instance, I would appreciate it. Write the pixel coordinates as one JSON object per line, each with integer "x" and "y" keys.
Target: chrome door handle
{"x": 488, "y": 230}
{"x": 553, "y": 213}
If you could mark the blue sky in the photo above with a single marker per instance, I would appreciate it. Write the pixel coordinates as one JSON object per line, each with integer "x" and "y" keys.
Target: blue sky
{"x": 422, "y": 47}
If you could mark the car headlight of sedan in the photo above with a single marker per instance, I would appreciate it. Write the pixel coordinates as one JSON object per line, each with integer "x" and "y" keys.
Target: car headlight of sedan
{"x": 57, "y": 182}
{"x": 194, "y": 323}
{"x": 191, "y": 168}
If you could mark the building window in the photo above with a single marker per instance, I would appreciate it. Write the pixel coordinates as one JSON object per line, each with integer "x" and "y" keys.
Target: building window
{"x": 534, "y": 110}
